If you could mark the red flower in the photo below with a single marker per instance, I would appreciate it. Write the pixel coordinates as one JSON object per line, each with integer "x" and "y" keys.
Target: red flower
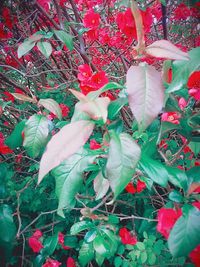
{"x": 196, "y": 203}
{"x": 65, "y": 110}
{"x": 19, "y": 91}
{"x": 85, "y": 72}
{"x": 37, "y": 234}
{"x": 126, "y": 237}
{"x": 9, "y": 97}
{"x": 51, "y": 263}
{"x": 140, "y": 186}
{"x": 70, "y": 262}
{"x": 166, "y": 220}
{"x": 44, "y": 4}
{"x": 126, "y": 23}
{"x": 182, "y": 12}
{"x": 35, "y": 244}
{"x": 91, "y": 20}
{"x": 98, "y": 80}
{"x": 171, "y": 117}
{"x": 130, "y": 188}
{"x": 61, "y": 241}
{"x": 163, "y": 144}
{"x": 195, "y": 256}
{"x": 5, "y": 150}
{"x": 94, "y": 145}
{"x": 194, "y": 85}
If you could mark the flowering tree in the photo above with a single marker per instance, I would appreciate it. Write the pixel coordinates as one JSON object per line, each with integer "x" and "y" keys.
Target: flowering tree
{"x": 99, "y": 141}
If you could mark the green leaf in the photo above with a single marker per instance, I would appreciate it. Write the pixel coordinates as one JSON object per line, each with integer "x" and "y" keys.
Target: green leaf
{"x": 195, "y": 147}
{"x": 50, "y": 245}
{"x": 175, "y": 196}
{"x": 100, "y": 246}
{"x": 25, "y": 47}
{"x": 185, "y": 234}
{"x": 101, "y": 186}
{"x": 143, "y": 257}
{"x": 64, "y": 144}
{"x": 124, "y": 153}
{"x": 193, "y": 174}
{"x": 15, "y": 139}
{"x": 86, "y": 253}
{"x": 140, "y": 246}
{"x": 65, "y": 38}
{"x": 45, "y": 48}
{"x": 52, "y": 106}
{"x": 183, "y": 69}
{"x": 145, "y": 94}
{"x": 90, "y": 235}
{"x": 117, "y": 261}
{"x": 35, "y": 134}
{"x": 154, "y": 170}
{"x": 69, "y": 181}
{"x": 177, "y": 177}
{"x": 109, "y": 86}
{"x": 80, "y": 226}
{"x": 7, "y": 226}
{"x": 151, "y": 259}
{"x": 115, "y": 107}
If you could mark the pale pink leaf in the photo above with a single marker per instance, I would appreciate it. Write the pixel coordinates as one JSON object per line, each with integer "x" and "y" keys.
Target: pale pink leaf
{"x": 96, "y": 109}
{"x": 145, "y": 93}
{"x": 24, "y": 98}
{"x": 165, "y": 49}
{"x": 81, "y": 97}
{"x": 64, "y": 144}
{"x": 101, "y": 186}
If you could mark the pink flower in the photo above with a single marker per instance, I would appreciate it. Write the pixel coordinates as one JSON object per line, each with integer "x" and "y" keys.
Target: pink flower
{"x": 51, "y": 263}
{"x": 182, "y": 103}
{"x": 37, "y": 234}
{"x": 91, "y": 20}
{"x": 126, "y": 237}
{"x": 166, "y": 220}
{"x": 65, "y": 110}
{"x": 195, "y": 256}
{"x": 171, "y": 117}
{"x": 61, "y": 241}
{"x": 35, "y": 244}
{"x": 194, "y": 85}
{"x": 85, "y": 72}
{"x": 70, "y": 262}
{"x": 94, "y": 145}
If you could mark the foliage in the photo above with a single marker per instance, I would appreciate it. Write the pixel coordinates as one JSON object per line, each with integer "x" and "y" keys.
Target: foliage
{"x": 99, "y": 133}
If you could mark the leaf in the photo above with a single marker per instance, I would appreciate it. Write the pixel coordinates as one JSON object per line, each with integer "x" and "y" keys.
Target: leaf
{"x": 86, "y": 253}
{"x": 177, "y": 177}
{"x": 145, "y": 93}
{"x": 165, "y": 49}
{"x": 80, "y": 226}
{"x": 96, "y": 109}
{"x": 65, "y": 38}
{"x": 50, "y": 245}
{"x": 25, "y": 47}
{"x": 24, "y": 98}
{"x": 35, "y": 135}
{"x": 115, "y": 107}
{"x": 80, "y": 96}
{"x": 195, "y": 147}
{"x": 123, "y": 156}
{"x": 101, "y": 186}
{"x": 7, "y": 226}
{"x": 15, "y": 139}
{"x": 154, "y": 170}
{"x": 182, "y": 70}
{"x": 52, "y": 106}
{"x": 100, "y": 246}
{"x": 185, "y": 234}
{"x": 64, "y": 144}
{"x": 109, "y": 86}
{"x": 45, "y": 48}
{"x": 69, "y": 181}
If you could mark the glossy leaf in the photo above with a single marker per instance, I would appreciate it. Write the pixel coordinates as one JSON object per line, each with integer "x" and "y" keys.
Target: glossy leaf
{"x": 52, "y": 106}
{"x": 177, "y": 177}
{"x": 45, "y": 48}
{"x": 35, "y": 135}
{"x": 15, "y": 139}
{"x": 123, "y": 157}
{"x": 155, "y": 170}
{"x": 145, "y": 93}
{"x": 86, "y": 253}
{"x": 80, "y": 226}
{"x": 182, "y": 70}
{"x": 25, "y": 47}
{"x": 7, "y": 226}
{"x": 65, "y": 38}
{"x": 100, "y": 246}
{"x": 64, "y": 144}
{"x": 101, "y": 186}
{"x": 185, "y": 234}
{"x": 109, "y": 86}
{"x": 50, "y": 245}
{"x": 69, "y": 180}
{"x": 115, "y": 107}
{"x": 165, "y": 49}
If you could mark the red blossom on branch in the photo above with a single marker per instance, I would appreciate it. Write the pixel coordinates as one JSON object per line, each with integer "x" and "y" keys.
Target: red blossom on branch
{"x": 51, "y": 263}
{"x": 194, "y": 85}
{"x": 126, "y": 237}
{"x": 195, "y": 256}
{"x": 172, "y": 117}
{"x": 70, "y": 262}
{"x": 166, "y": 220}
